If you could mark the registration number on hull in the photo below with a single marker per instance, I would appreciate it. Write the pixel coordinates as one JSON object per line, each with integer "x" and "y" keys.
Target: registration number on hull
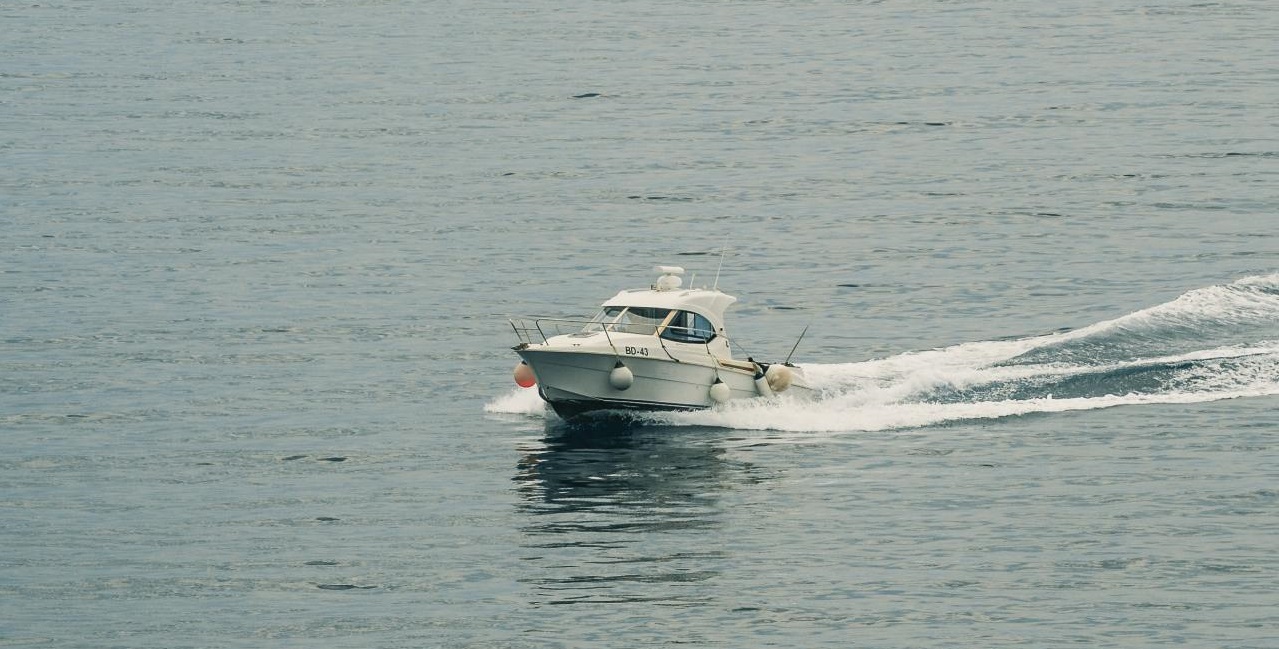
{"x": 636, "y": 351}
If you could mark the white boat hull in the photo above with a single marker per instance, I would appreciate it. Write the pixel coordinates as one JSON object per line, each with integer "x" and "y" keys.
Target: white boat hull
{"x": 660, "y": 348}
{"x": 576, "y": 382}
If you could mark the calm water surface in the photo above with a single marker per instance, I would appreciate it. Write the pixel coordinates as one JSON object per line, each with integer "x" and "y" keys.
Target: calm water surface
{"x": 256, "y": 260}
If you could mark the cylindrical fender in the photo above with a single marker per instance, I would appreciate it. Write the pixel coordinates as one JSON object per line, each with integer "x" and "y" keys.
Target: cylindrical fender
{"x": 761, "y": 382}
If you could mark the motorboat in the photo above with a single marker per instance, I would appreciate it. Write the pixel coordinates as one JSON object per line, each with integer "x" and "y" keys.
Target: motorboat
{"x": 658, "y": 348}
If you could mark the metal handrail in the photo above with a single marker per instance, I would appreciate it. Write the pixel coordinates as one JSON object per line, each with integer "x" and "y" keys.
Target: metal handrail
{"x": 524, "y": 328}
{"x": 525, "y": 332}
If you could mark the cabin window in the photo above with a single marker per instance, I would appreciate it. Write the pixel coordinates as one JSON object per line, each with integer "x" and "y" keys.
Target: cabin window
{"x": 640, "y": 320}
{"x": 689, "y": 327}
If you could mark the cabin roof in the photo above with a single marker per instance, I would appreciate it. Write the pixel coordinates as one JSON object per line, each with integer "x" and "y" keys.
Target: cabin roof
{"x": 709, "y": 303}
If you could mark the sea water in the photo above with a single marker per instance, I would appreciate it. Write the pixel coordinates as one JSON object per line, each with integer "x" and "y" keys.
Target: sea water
{"x": 257, "y": 260}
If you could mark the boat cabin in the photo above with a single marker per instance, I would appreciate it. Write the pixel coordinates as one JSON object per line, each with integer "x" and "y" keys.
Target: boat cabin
{"x": 689, "y": 316}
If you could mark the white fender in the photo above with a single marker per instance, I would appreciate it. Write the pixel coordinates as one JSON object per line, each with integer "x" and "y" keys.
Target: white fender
{"x": 779, "y": 377}
{"x": 621, "y": 377}
{"x": 720, "y": 393}
{"x": 761, "y": 383}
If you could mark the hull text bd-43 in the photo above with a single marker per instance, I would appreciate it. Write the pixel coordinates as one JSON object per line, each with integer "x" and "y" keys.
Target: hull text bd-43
{"x": 660, "y": 348}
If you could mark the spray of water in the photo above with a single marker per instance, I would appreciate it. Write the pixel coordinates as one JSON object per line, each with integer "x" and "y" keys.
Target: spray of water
{"x": 1209, "y": 344}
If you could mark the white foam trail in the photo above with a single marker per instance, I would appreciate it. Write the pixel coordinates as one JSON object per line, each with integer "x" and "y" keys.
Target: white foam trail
{"x": 1254, "y": 373}
{"x": 897, "y": 377}
{"x": 839, "y": 418}
{"x": 1250, "y": 299}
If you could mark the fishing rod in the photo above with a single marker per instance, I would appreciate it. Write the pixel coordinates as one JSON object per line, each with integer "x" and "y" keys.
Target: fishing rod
{"x": 792, "y": 349}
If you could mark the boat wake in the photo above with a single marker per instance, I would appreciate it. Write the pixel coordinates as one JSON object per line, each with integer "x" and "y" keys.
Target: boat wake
{"x": 1214, "y": 343}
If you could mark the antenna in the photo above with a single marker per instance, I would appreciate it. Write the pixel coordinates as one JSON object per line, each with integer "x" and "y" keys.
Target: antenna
{"x": 792, "y": 349}
{"x": 722, "y": 252}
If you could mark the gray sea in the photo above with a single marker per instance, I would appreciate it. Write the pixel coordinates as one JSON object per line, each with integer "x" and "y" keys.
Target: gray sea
{"x": 257, "y": 259}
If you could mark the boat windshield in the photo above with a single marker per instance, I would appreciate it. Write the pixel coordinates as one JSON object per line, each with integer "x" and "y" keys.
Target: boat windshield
{"x": 606, "y": 316}
{"x": 640, "y": 320}
{"x": 628, "y": 320}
